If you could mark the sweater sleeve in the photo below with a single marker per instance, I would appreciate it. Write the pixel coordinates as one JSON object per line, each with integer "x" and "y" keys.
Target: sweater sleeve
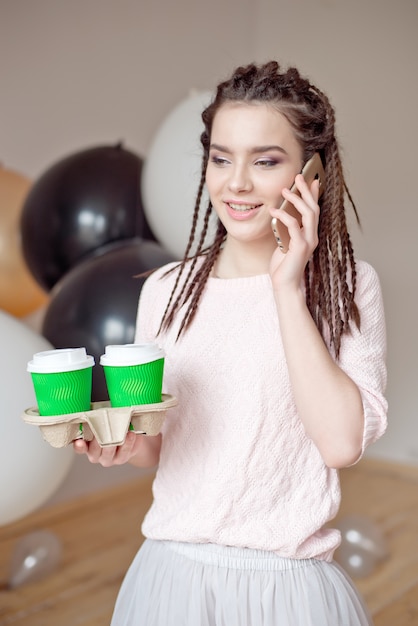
{"x": 363, "y": 353}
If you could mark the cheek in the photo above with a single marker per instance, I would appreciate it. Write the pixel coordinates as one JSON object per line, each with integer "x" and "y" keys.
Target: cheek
{"x": 213, "y": 181}
{"x": 273, "y": 191}
{"x": 273, "y": 188}
{"x": 207, "y": 180}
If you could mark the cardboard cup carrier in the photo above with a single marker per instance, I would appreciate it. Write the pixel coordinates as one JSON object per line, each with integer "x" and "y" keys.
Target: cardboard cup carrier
{"x": 62, "y": 381}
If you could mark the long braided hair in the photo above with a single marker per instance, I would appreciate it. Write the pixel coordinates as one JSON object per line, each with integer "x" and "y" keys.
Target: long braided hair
{"x": 330, "y": 275}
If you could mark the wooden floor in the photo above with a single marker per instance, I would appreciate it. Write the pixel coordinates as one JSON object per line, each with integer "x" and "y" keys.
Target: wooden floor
{"x": 100, "y": 534}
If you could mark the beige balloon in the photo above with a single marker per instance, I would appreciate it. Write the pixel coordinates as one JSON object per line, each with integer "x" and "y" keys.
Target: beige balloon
{"x": 20, "y": 294}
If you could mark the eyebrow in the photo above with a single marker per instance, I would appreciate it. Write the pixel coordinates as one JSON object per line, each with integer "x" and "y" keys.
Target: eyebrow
{"x": 255, "y": 150}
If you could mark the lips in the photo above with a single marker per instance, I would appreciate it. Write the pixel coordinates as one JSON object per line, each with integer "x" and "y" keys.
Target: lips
{"x": 242, "y": 211}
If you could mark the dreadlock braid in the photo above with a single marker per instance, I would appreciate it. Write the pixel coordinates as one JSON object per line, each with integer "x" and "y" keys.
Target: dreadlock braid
{"x": 169, "y": 313}
{"x": 330, "y": 275}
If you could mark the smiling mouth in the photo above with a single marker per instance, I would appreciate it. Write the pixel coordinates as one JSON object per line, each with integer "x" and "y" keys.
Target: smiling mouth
{"x": 243, "y": 207}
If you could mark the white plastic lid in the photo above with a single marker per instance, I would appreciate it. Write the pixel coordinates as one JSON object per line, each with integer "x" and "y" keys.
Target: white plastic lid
{"x": 60, "y": 360}
{"x": 131, "y": 354}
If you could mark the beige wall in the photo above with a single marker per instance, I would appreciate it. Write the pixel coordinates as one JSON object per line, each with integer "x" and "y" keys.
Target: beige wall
{"x": 81, "y": 72}
{"x": 364, "y": 54}
{"x": 87, "y": 72}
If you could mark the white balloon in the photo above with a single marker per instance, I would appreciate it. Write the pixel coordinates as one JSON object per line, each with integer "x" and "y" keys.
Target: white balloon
{"x": 30, "y": 469}
{"x": 171, "y": 174}
{"x": 35, "y": 556}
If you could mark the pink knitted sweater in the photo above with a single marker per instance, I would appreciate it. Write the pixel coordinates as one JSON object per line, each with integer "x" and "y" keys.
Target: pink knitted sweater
{"x": 236, "y": 466}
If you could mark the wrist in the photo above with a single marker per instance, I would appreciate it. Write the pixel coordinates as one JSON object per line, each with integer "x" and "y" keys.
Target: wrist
{"x": 289, "y": 296}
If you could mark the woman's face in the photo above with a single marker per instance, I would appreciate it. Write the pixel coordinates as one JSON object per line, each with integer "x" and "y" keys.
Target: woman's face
{"x": 253, "y": 155}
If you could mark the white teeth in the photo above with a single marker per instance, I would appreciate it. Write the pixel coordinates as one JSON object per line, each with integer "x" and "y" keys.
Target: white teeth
{"x": 242, "y": 207}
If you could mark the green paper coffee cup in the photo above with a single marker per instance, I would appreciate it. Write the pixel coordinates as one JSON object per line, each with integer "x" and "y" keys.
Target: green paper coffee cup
{"x": 62, "y": 380}
{"x": 133, "y": 373}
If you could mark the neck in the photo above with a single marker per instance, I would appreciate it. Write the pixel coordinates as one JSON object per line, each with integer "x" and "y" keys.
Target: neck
{"x": 238, "y": 260}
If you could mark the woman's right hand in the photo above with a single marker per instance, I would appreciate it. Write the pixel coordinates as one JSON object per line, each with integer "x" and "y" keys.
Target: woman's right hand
{"x": 138, "y": 450}
{"x": 288, "y": 269}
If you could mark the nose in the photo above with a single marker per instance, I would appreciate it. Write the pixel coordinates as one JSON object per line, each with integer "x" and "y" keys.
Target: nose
{"x": 240, "y": 179}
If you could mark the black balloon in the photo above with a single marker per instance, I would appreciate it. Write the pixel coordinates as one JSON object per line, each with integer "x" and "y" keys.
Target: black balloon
{"x": 95, "y": 303}
{"x": 81, "y": 203}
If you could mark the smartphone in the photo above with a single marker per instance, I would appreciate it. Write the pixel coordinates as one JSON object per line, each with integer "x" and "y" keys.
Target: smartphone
{"x": 312, "y": 170}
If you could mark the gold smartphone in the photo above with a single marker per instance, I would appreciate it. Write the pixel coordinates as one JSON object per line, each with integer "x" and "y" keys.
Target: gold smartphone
{"x": 312, "y": 170}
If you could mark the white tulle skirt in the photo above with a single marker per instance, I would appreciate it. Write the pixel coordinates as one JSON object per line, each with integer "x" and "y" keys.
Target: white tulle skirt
{"x": 181, "y": 584}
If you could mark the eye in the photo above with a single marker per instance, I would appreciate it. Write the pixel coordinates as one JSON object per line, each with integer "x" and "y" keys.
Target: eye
{"x": 218, "y": 160}
{"x": 266, "y": 162}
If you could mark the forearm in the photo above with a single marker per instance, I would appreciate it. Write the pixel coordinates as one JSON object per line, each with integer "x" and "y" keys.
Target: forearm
{"x": 328, "y": 401}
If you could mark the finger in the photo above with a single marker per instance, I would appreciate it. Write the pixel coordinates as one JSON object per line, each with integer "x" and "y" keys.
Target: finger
{"x": 309, "y": 193}
{"x": 103, "y": 455}
{"x": 305, "y": 236}
{"x": 80, "y": 446}
{"x": 113, "y": 455}
{"x": 125, "y": 451}
{"x": 91, "y": 448}
{"x": 315, "y": 190}
{"x": 306, "y": 204}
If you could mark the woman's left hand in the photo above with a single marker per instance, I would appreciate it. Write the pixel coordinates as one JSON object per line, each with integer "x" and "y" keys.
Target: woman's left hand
{"x": 289, "y": 267}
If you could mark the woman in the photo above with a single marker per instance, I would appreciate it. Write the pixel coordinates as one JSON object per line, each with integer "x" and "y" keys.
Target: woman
{"x": 278, "y": 362}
